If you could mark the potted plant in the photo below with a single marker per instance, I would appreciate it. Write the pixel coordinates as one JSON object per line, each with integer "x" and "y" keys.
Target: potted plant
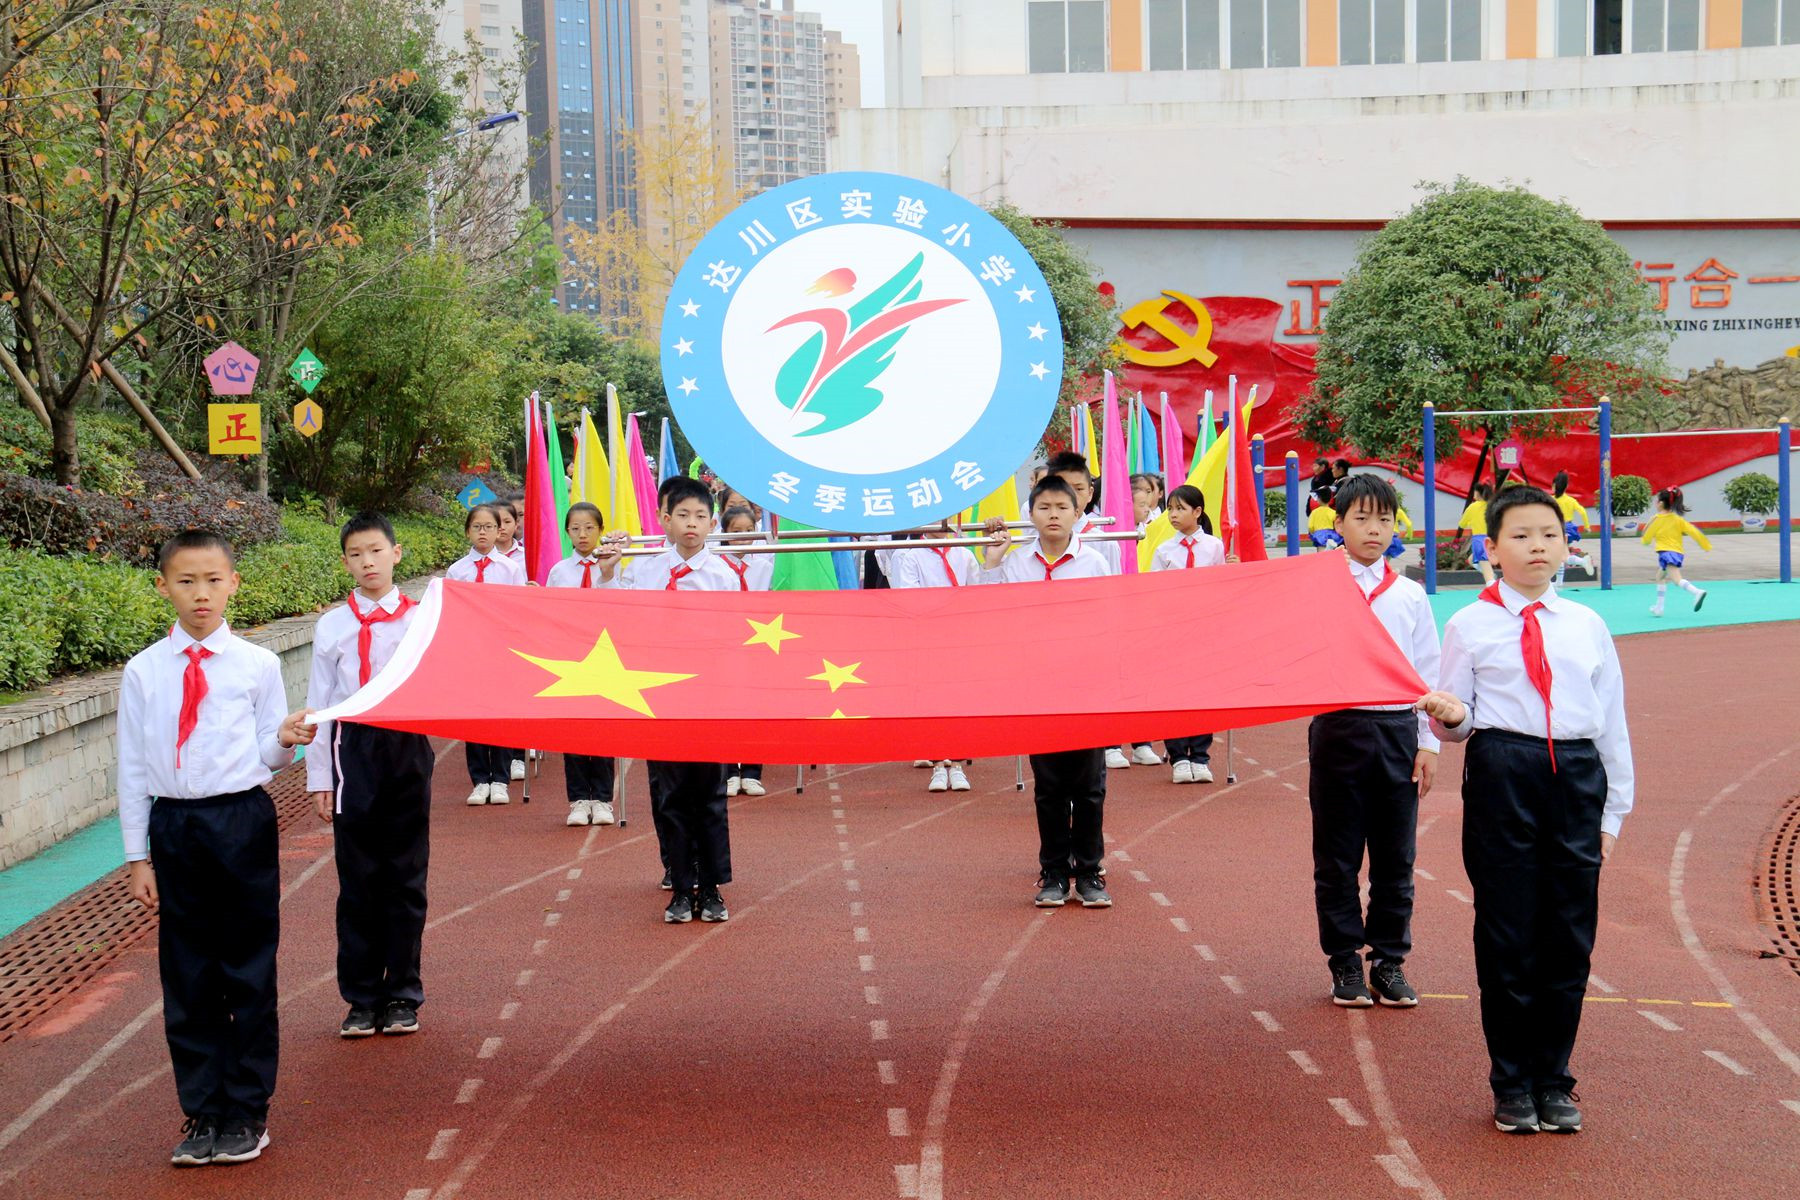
{"x": 1754, "y": 496}
{"x": 1630, "y": 500}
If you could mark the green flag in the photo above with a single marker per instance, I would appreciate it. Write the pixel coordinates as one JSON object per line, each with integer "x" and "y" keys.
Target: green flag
{"x": 803, "y": 572}
{"x": 559, "y": 478}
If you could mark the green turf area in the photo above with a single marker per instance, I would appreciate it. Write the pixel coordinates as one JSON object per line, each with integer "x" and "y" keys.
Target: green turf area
{"x": 45, "y": 880}
{"x": 1626, "y": 609}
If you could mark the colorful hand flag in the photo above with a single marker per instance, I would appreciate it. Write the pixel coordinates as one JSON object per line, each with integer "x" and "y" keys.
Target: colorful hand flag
{"x": 1115, "y": 483}
{"x": 643, "y": 485}
{"x": 596, "y": 472}
{"x": 857, "y": 676}
{"x": 543, "y": 545}
{"x": 559, "y": 479}
{"x": 1208, "y": 475}
{"x": 666, "y": 465}
{"x": 803, "y": 572}
{"x": 1174, "y": 447}
{"x": 1241, "y": 527}
{"x": 625, "y": 515}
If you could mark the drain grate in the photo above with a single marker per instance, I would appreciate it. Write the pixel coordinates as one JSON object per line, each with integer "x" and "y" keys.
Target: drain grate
{"x": 1781, "y": 885}
{"x": 46, "y": 959}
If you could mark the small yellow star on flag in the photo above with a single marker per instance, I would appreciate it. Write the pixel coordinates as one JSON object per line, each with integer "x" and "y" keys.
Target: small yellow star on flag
{"x": 603, "y": 674}
{"x": 837, "y": 676}
{"x": 769, "y": 633}
{"x": 838, "y": 714}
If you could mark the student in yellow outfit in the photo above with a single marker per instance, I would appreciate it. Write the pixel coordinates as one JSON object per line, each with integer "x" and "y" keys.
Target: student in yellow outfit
{"x": 1403, "y": 528}
{"x": 1574, "y": 522}
{"x": 1474, "y": 519}
{"x": 1665, "y": 533}
{"x": 1321, "y": 528}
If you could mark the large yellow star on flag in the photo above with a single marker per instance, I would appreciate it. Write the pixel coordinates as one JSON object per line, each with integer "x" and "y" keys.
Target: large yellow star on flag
{"x": 603, "y": 674}
{"x": 837, "y": 676}
{"x": 769, "y": 633}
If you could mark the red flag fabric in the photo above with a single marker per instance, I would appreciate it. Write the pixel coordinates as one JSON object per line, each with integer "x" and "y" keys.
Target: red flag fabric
{"x": 859, "y": 676}
{"x": 543, "y": 541}
{"x": 1242, "y": 530}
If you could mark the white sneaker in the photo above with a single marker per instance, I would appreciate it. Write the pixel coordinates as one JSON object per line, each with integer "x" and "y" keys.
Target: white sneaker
{"x": 1656, "y": 610}
{"x": 752, "y": 787}
{"x": 1202, "y": 773}
{"x": 480, "y": 794}
{"x": 1146, "y": 756}
{"x": 580, "y": 813}
{"x": 1184, "y": 772}
{"x": 1115, "y": 758}
{"x": 600, "y": 812}
{"x": 497, "y": 794}
{"x": 732, "y": 785}
{"x": 1586, "y": 563}
{"x": 922, "y": 762}
{"x": 959, "y": 782}
{"x": 1699, "y": 599}
{"x": 940, "y": 779}
{"x": 518, "y": 769}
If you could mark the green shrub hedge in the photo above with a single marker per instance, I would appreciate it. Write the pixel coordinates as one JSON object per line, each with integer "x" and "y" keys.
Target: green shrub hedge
{"x": 60, "y": 615}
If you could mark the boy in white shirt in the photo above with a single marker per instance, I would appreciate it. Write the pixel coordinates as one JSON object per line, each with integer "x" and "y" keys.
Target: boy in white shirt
{"x": 589, "y": 777}
{"x": 200, "y": 731}
{"x": 1532, "y": 680}
{"x": 1370, "y": 768}
{"x": 374, "y": 787}
{"x": 1069, "y": 785}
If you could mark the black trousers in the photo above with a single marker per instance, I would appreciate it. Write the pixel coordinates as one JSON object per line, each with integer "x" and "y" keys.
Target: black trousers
{"x": 489, "y": 764}
{"x": 687, "y": 801}
{"x": 1069, "y": 787}
{"x": 382, "y": 833}
{"x": 1531, "y": 846}
{"x": 748, "y": 771}
{"x": 1196, "y": 749}
{"x": 219, "y": 883}
{"x": 1363, "y": 798}
{"x": 589, "y": 777}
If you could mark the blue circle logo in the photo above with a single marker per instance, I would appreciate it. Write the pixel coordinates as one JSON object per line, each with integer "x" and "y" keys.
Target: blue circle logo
{"x": 861, "y": 351}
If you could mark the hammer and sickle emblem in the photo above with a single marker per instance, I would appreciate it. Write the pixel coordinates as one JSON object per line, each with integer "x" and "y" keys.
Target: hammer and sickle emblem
{"x": 1185, "y": 346}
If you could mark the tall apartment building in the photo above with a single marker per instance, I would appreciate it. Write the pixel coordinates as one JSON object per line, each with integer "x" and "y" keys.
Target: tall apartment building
{"x": 843, "y": 78}
{"x": 496, "y": 25}
{"x": 769, "y": 92}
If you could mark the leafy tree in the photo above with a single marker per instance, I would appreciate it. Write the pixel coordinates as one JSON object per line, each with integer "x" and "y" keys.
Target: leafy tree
{"x": 1089, "y": 330}
{"x": 1479, "y": 298}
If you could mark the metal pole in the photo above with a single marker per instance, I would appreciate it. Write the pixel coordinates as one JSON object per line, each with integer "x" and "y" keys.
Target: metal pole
{"x": 799, "y": 778}
{"x": 1256, "y": 473}
{"x": 621, "y": 772}
{"x": 1784, "y": 473}
{"x": 838, "y": 547}
{"x": 1606, "y": 517}
{"x": 1019, "y": 773}
{"x": 1429, "y": 472}
{"x": 1293, "y": 503}
{"x": 1230, "y": 756}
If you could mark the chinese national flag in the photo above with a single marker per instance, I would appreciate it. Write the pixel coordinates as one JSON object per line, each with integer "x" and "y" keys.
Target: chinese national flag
{"x": 886, "y": 675}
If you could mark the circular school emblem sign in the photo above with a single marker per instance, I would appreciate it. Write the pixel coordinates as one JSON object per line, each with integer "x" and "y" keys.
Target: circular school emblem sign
{"x": 861, "y": 351}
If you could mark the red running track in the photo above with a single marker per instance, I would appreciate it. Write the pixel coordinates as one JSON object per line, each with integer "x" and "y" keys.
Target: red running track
{"x": 886, "y": 1015}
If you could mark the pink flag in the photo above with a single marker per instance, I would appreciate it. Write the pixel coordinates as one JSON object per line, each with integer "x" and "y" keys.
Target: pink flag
{"x": 1115, "y": 476}
{"x": 643, "y": 483}
{"x": 1174, "y": 449}
{"x": 543, "y": 543}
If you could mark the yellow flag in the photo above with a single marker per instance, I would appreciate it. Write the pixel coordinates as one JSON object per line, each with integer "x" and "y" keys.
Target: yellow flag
{"x": 1002, "y": 502}
{"x": 624, "y": 496}
{"x": 1209, "y": 476}
{"x": 594, "y": 473}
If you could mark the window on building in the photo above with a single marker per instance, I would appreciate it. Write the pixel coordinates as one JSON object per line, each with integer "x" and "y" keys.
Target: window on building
{"x": 1066, "y": 35}
{"x": 1371, "y": 31}
{"x": 1590, "y": 27}
{"x": 1448, "y": 30}
{"x": 1664, "y": 25}
{"x": 492, "y": 31}
{"x": 1771, "y": 22}
{"x": 1264, "y": 33}
{"x": 1184, "y": 34}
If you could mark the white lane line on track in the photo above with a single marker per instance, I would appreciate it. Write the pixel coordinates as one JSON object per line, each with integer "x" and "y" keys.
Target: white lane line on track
{"x": 1729, "y": 1063}
{"x": 860, "y": 933}
{"x": 1140, "y": 877}
{"x": 1600, "y": 983}
{"x": 440, "y": 1145}
{"x": 1347, "y": 1110}
{"x": 865, "y": 962}
{"x": 1122, "y": 855}
{"x": 884, "y": 1070}
{"x": 878, "y": 1031}
{"x": 1234, "y": 983}
{"x": 509, "y": 1010}
{"x": 1180, "y": 924}
{"x": 552, "y": 919}
{"x": 489, "y": 1048}
{"x": 897, "y": 1126}
{"x": 466, "y": 1093}
{"x": 1382, "y": 1103}
{"x": 418, "y": 1194}
{"x": 1304, "y": 1061}
{"x": 856, "y": 908}
{"x": 1162, "y": 900}
{"x": 853, "y": 885}
{"x": 1422, "y": 873}
{"x": 1396, "y": 1169}
{"x": 1792, "y": 1106}
{"x": 525, "y": 977}
{"x": 872, "y": 995}
{"x": 906, "y": 1180}
{"x": 1206, "y": 952}
{"x": 1267, "y": 1021}
{"x": 1658, "y": 1020}
{"x": 1461, "y": 897}
{"x": 574, "y": 874}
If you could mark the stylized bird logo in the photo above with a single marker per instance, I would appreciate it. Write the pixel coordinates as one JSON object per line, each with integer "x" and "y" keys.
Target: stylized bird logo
{"x": 833, "y": 371}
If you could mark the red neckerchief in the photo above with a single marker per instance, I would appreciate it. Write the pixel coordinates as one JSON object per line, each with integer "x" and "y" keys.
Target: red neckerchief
{"x": 943, "y": 554}
{"x": 1388, "y": 580}
{"x": 365, "y": 636}
{"x": 742, "y": 569}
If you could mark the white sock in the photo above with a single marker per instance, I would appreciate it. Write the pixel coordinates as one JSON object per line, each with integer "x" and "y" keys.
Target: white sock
{"x": 1688, "y": 585}
{"x": 1662, "y": 590}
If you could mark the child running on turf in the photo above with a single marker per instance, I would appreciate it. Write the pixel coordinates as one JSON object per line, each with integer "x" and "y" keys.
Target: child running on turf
{"x": 1546, "y": 787}
{"x": 589, "y": 776}
{"x": 755, "y": 573}
{"x": 1574, "y": 523}
{"x": 1370, "y": 768}
{"x": 1070, "y": 784}
{"x": 1474, "y": 519}
{"x": 489, "y": 766}
{"x": 1192, "y": 546}
{"x": 932, "y": 566}
{"x": 1666, "y": 530}
{"x": 200, "y": 732}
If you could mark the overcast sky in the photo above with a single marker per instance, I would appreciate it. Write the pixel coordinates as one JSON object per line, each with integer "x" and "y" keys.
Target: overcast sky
{"x": 860, "y": 22}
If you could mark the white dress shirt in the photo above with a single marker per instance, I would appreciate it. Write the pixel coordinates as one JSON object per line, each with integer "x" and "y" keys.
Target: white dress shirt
{"x": 337, "y": 672}
{"x": 567, "y": 573}
{"x": 235, "y": 745}
{"x": 1484, "y": 668}
{"x": 1171, "y": 555}
{"x": 1107, "y": 550}
{"x": 517, "y": 556}
{"x": 1028, "y": 563}
{"x": 924, "y": 567}
{"x": 707, "y": 573}
{"x": 759, "y": 569}
{"x": 500, "y": 569}
{"x": 1406, "y": 614}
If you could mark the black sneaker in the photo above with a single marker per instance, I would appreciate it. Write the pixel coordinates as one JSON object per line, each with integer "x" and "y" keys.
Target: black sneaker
{"x": 1556, "y": 1111}
{"x": 198, "y": 1135}
{"x": 680, "y": 910}
{"x": 668, "y": 883}
{"x": 400, "y": 1017}
{"x": 1347, "y": 987}
{"x": 1052, "y": 893}
{"x": 241, "y": 1142}
{"x": 712, "y": 906}
{"x": 1388, "y": 982}
{"x": 1515, "y": 1114}
{"x": 1092, "y": 892}
{"x": 359, "y": 1022}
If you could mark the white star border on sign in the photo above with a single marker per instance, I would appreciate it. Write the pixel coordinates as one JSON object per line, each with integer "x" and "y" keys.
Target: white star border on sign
{"x": 1025, "y": 294}
{"x": 684, "y": 347}
{"x": 1039, "y": 370}
{"x": 690, "y": 309}
{"x": 688, "y": 386}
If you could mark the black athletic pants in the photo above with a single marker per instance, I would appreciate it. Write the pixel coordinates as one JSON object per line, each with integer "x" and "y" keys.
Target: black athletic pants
{"x": 748, "y": 771}
{"x": 218, "y": 880}
{"x": 1196, "y": 749}
{"x": 687, "y": 801}
{"x": 489, "y": 764}
{"x": 382, "y": 834}
{"x": 1070, "y": 791}
{"x": 589, "y": 777}
{"x": 1363, "y": 797}
{"x": 1531, "y": 846}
